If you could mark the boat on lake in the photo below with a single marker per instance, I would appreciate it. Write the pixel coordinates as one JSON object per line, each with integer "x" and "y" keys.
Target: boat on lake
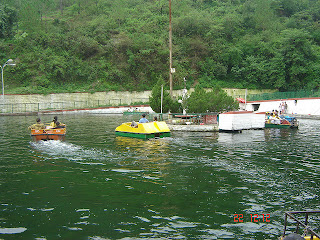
{"x": 48, "y": 134}
{"x": 284, "y": 122}
{"x": 293, "y": 121}
{"x": 277, "y": 125}
{"x": 303, "y": 229}
{"x": 143, "y": 130}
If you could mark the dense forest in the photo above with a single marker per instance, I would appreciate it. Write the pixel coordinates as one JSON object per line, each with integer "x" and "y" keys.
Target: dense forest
{"x": 102, "y": 45}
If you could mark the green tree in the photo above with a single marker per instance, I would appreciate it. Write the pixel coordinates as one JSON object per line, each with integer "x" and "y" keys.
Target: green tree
{"x": 289, "y": 7}
{"x": 215, "y": 100}
{"x": 299, "y": 57}
{"x": 218, "y": 101}
{"x": 155, "y": 99}
{"x": 8, "y": 17}
{"x": 197, "y": 102}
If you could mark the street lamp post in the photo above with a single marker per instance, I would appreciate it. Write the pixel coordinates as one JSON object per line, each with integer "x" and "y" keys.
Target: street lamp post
{"x": 10, "y": 63}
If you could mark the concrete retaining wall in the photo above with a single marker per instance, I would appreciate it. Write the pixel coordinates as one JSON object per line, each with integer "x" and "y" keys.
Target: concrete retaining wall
{"x": 126, "y": 97}
{"x": 59, "y": 101}
{"x": 37, "y": 102}
{"x": 116, "y": 97}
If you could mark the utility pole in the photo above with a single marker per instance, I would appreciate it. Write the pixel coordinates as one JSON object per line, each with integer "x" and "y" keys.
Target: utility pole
{"x": 61, "y": 7}
{"x": 170, "y": 48}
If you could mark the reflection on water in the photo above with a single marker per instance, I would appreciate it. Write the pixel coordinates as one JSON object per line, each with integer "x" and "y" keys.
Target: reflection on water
{"x": 96, "y": 185}
{"x": 150, "y": 146}
{"x": 152, "y": 153}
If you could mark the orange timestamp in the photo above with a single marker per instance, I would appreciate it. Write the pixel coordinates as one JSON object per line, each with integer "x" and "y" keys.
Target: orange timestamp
{"x": 253, "y": 217}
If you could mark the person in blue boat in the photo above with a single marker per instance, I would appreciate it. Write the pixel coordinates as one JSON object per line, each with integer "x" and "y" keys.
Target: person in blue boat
{"x": 143, "y": 119}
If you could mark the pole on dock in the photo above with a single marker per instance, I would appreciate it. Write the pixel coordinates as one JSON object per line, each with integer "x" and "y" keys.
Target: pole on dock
{"x": 161, "y": 101}
{"x": 245, "y": 100}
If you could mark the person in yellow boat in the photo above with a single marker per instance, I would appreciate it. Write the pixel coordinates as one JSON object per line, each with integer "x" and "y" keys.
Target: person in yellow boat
{"x": 56, "y": 124}
{"x": 143, "y": 119}
{"x": 37, "y": 126}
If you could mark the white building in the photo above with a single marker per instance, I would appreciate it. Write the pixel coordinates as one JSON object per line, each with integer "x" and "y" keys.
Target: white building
{"x": 301, "y": 106}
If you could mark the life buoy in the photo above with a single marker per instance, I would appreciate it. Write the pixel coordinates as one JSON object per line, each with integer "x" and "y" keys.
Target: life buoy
{"x": 241, "y": 100}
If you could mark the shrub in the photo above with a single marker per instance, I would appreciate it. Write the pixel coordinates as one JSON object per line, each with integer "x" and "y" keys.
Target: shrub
{"x": 168, "y": 103}
{"x": 213, "y": 101}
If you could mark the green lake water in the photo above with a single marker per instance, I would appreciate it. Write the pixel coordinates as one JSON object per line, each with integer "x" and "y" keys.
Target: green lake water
{"x": 96, "y": 185}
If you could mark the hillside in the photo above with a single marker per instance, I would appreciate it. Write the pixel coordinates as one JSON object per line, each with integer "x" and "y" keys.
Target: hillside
{"x": 101, "y": 45}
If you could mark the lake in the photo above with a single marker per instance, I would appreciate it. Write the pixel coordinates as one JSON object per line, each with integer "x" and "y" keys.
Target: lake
{"x": 96, "y": 185}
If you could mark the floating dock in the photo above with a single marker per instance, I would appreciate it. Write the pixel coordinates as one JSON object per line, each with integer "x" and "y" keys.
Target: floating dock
{"x": 194, "y": 128}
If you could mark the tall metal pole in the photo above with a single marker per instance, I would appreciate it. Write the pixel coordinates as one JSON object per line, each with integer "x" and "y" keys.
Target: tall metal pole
{"x": 161, "y": 97}
{"x": 2, "y": 79}
{"x": 10, "y": 63}
{"x": 170, "y": 48}
{"x": 61, "y": 7}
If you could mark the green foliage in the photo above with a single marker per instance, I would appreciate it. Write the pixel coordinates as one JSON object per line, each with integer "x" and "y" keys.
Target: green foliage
{"x": 8, "y": 17}
{"x": 197, "y": 102}
{"x": 168, "y": 104}
{"x": 215, "y": 100}
{"x": 102, "y": 45}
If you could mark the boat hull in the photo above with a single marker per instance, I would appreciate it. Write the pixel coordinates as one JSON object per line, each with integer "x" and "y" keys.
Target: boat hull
{"x": 48, "y": 134}
{"x": 272, "y": 125}
{"x": 143, "y": 136}
{"x": 144, "y": 130}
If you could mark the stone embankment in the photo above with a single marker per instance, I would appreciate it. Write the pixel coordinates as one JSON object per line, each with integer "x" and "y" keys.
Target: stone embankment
{"x": 20, "y": 103}
{"x": 101, "y": 102}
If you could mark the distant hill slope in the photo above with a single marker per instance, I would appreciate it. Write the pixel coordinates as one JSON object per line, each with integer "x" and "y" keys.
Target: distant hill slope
{"x": 99, "y": 45}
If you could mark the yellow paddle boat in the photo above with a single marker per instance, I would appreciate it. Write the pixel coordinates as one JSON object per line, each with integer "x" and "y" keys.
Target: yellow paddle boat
{"x": 143, "y": 130}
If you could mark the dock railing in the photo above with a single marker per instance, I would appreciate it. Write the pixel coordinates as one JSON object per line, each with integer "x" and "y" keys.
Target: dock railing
{"x": 283, "y": 95}
{"x": 303, "y": 224}
{"x": 193, "y": 118}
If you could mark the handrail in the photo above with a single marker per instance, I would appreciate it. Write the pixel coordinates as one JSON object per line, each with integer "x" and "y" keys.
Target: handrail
{"x": 298, "y": 222}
